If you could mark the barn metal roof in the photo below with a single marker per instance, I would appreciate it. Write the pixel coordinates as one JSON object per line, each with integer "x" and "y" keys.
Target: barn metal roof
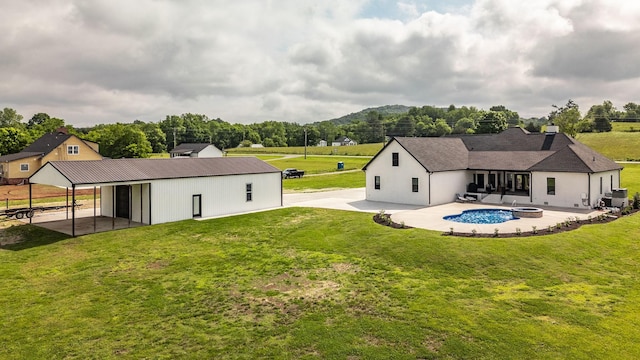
{"x": 136, "y": 170}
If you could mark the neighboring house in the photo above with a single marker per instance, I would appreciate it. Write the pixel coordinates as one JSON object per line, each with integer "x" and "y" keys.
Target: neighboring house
{"x": 539, "y": 169}
{"x": 154, "y": 191}
{"x": 322, "y": 143}
{"x": 343, "y": 141}
{"x": 195, "y": 150}
{"x": 59, "y": 145}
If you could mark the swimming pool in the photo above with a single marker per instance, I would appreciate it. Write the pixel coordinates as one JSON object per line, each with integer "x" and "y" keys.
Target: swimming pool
{"x": 482, "y": 216}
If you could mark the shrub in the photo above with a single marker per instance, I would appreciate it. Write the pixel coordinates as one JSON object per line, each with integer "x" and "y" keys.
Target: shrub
{"x": 495, "y": 232}
{"x": 636, "y": 201}
{"x": 534, "y": 229}
{"x": 518, "y": 231}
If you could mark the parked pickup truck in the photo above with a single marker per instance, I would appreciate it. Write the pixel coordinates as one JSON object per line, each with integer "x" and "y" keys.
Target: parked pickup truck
{"x": 292, "y": 173}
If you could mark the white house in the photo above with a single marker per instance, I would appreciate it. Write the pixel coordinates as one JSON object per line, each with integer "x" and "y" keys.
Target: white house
{"x": 539, "y": 169}
{"x": 195, "y": 150}
{"x": 343, "y": 141}
{"x": 322, "y": 143}
{"x": 154, "y": 191}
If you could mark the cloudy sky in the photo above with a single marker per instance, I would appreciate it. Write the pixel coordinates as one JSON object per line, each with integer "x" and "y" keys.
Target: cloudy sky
{"x": 105, "y": 61}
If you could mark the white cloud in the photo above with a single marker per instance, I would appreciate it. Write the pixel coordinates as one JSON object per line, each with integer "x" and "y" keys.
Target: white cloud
{"x": 294, "y": 60}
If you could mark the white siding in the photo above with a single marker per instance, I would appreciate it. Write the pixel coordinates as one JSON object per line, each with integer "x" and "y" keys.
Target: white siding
{"x": 445, "y": 185}
{"x": 571, "y": 188}
{"x": 106, "y": 200}
{"x": 395, "y": 181}
{"x": 171, "y": 200}
{"x": 208, "y": 152}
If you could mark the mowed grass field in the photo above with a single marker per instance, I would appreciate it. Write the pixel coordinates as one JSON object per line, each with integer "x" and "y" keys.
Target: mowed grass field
{"x": 319, "y": 284}
{"x": 615, "y": 145}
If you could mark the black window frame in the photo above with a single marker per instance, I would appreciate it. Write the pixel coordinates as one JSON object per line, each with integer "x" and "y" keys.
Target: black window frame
{"x": 551, "y": 186}
{"x": 415, "y": 185}
{"x": 249, "y": 192}
{"x": 376, "y": 182}
{"x": 193, "y": 202}
{"x": 395, "y": 159}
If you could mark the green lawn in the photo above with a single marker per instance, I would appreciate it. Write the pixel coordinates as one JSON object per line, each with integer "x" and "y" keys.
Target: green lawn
{"x": 625, "y": 126}
{"x": 320, "y": 164}
{"x": 630, "y": 176}
{"x": 357, "y": 150}
{"x": 319, "y": 284}
{"x": 354, "y": 179}
{"x": 614, "y": 145}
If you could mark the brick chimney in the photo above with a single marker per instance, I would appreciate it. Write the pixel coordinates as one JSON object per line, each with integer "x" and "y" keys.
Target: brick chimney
{"x": 62, "y": 130}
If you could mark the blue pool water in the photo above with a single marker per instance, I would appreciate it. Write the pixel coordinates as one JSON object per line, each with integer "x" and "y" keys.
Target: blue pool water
{"x": 482, "y": 216}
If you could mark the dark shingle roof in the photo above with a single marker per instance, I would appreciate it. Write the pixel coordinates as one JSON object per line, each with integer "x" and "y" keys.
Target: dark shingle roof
{"x": 185, "y": 148}
{"x": 514, "y": 149}
{"x": 17, "y": 156}
{"x": 430, "y": 154}
{"x": 129, "y": 170}
{"x": 47, "y": 142}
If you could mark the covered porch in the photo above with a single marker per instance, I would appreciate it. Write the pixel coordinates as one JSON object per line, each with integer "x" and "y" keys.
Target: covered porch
{"x": 500, "y": 186}
{"x": 120, "y": 204}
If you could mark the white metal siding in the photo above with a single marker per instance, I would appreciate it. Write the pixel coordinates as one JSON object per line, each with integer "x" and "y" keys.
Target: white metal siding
{"x": 106, "y": 200}
{"x": 171, "y": 199}
{"x": 208, "y": 152}
{"x": 395, "y": 181}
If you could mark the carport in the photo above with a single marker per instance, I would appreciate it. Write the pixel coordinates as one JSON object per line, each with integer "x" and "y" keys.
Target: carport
{"x": 70, "y": 175}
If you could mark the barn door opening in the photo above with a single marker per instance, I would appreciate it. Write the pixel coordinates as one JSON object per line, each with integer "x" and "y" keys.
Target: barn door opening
{"x": 122, "y": 201}
{"x": 197, "y": 205}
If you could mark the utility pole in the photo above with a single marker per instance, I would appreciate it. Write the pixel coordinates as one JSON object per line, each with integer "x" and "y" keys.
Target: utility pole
{"x": 174, "y": 138}
{"x": 305, "y": 143}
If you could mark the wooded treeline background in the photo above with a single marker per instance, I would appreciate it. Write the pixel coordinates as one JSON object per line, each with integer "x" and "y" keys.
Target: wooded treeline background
{"x": 140, "y": 139}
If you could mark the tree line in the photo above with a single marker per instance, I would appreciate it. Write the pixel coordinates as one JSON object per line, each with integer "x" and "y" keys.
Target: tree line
{"x": 140, "y": 139}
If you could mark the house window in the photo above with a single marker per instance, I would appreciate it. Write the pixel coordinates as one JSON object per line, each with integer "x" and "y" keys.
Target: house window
{"x": 480, "y": 180}
{"x": 394, "y": 159}
{"x": 24, "y": 167}
{"x": 551, "y": 186}
{"x": 73, "y": 149}
{"x": 249, "y": 192}
{"x": 414, "y": 184}
{"x": 376, "y": 181}
{"x": 197, "y": 205}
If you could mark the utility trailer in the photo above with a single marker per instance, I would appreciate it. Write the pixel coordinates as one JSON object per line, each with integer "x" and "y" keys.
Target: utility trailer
{"x": 20, "y": 213}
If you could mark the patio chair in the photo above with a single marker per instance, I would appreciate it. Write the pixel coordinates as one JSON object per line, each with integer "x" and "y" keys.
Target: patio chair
{"x": 464, "y": 199}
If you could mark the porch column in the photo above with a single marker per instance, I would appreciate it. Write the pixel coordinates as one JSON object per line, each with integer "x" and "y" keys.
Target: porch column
{"x": 73, "y": 209}
{"x": 94, "y": 209}
{"x": 30, "y": 205}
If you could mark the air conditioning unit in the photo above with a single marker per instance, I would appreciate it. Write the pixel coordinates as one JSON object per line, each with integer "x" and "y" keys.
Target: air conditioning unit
{"x": 619, "y": 197}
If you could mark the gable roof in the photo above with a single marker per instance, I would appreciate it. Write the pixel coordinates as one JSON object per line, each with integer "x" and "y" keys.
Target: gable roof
{"x": 86, "y": 172}
{"x": 18, "y": 156}
{"x": 47, "y": 142}
{"x": 514, "y": 149}
{"x": 187, "y": 148}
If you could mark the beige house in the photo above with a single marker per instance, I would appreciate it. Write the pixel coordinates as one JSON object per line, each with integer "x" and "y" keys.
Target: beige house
{"x": 17, "y": 168}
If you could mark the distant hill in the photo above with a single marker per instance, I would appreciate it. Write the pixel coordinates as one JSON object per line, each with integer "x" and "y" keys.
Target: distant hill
{"x": 361, "y": 115}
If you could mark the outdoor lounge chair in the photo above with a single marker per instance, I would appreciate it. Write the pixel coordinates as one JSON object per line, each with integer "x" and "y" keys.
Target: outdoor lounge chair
{"x": 464, "y": 199}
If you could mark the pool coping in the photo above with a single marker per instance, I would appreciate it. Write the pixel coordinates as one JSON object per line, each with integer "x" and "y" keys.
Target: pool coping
{"x": 431, "y": 218}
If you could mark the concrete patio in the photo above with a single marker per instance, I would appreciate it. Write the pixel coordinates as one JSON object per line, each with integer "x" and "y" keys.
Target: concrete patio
{"x": 431, "y": 218}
